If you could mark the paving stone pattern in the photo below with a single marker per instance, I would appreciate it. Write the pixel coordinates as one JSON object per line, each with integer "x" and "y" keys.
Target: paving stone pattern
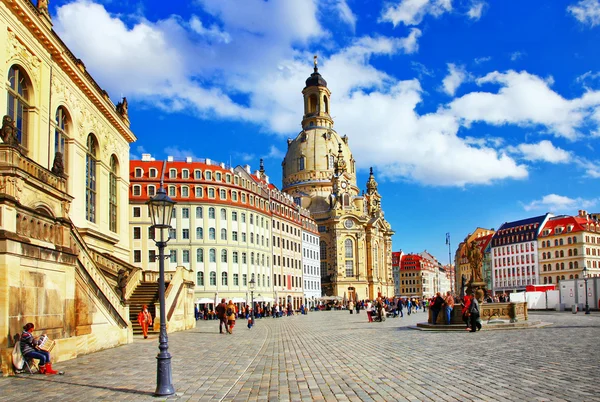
{"x": 337, "y": 356}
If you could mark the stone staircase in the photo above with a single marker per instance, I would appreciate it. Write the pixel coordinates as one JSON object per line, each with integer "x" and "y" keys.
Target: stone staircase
{"x": 145, "y": 293}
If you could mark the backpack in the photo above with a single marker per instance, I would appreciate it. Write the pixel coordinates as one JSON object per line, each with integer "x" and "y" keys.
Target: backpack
{"x": 229, "y": 311}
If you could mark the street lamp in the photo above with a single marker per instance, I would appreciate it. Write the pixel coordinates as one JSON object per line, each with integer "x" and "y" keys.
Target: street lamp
{"x": 252, "y": 283}
{"x": 585, "y": 279}
{"x": 161, "y": 208}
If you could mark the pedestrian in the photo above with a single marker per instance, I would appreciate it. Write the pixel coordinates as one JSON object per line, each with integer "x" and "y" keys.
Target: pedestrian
{"x": 230, "y": 312}
{"x": 448, "y": 307}
{"x": 221, "y": 310}
{"x": 358, "y": 307}
{"x": 351, "y": 307}
{"x": 408, "y": 306}
{"x": 369, "y": 311}
{"x": 250, "y": 320}
{"x": 400, "y": 307}
{"x": 145, "y": 320}
{"x": 474, "y": 314}
{"x": 465, "y": 310}
{"x": 436, "y": 307}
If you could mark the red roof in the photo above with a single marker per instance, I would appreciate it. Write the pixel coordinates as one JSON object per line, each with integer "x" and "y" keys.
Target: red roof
{"x": 577, "y": 224}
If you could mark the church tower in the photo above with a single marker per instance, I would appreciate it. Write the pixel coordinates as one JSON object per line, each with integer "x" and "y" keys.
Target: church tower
{"x": 319, "y": 172}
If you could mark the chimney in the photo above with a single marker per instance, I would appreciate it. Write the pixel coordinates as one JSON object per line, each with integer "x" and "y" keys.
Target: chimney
{"x": 208, "y": 161}
{"x": 583, "y": 213}
{"x": 247, "y": 169}
{"x": 169, "y": 158}
{"x": 222, "y": 165}
{"x": 188, "y": 159}
{"x": 146, "y": 157}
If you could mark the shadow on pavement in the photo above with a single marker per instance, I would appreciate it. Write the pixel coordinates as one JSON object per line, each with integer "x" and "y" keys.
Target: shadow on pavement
{"x": 49, "y": 379}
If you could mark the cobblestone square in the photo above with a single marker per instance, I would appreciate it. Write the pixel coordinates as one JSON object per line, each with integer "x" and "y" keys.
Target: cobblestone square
{"x": 337, "y": 356}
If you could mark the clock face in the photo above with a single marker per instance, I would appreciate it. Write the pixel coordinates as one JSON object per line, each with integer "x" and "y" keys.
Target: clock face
{"x": 348, "y": 223}
{"x": 344, "y": 184}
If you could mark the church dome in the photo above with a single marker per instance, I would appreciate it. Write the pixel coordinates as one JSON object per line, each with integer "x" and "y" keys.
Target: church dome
{"x": 316, "y": 80}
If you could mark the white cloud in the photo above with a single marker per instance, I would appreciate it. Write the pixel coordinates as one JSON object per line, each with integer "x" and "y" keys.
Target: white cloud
{"x": 256, "y": 77}
{"x": 514, "y": 56}
{"x": 560, "y": 204}
{"x": 212, "y": 32}
{"x": 346, "y": 13}
{"x": 412, "y": 12}
{"x": 480, "y": 60}
{"x": 542, "y": 151}
{"x": 179, "y": 154}
{"x": 274, "y": 153}
{"x": 591, "y": 168}
{"x": 526, "y": 100}
{"x": 587, "y": 12}
{"x": 456, "y": 76}
{"x": 476, "y": 10}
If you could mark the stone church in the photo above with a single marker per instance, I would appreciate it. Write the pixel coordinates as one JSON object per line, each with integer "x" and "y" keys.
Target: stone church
{"x": 319, "y": 171}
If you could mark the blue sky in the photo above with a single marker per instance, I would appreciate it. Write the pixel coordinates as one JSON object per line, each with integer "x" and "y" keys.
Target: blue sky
{"x": 471, "y": 112}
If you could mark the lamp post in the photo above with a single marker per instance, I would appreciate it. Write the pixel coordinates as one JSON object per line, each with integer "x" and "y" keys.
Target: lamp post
{"x": 585, "y": 280}
{"x": 161, "y": 208}
{"x": 252, "y": 283}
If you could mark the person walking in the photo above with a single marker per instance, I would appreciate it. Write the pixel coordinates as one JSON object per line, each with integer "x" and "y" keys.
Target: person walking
{"x": 369, "y": 310}
{"x": 145, "y": 320}
{"x": 351, "y": 306}
{"x": 448, "y": 307}
{"x": 230, "y": 312}
{"x": 474, "y": 314}
{"x": 221, "y": 310}
{"x": 465, "y": 310}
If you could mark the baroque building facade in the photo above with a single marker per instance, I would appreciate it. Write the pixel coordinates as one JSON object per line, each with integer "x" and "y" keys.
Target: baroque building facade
{"x": 63, "y": 190}
{"x": 319, "y": 172}
{"x": 229, "y": 227}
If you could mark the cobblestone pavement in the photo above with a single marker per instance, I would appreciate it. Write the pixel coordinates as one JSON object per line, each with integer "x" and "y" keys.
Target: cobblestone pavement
{"x": 336, "y": 356}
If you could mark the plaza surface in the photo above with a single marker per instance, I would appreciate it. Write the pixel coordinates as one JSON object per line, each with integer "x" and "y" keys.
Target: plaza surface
{"x": 336, "y": 356}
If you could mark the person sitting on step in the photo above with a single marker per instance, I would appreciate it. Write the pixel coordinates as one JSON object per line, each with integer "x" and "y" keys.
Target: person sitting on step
{"x": 30, "y": 350}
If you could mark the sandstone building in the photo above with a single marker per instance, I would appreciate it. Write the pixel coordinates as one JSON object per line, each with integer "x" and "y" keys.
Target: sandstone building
{"x": 63, "y": 192}
{"x": 319, "y": 171}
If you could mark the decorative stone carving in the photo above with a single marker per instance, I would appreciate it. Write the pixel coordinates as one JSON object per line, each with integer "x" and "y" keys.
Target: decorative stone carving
{"x": 58, "y": 167}
{"x": 122, "y": 108}
{"x": 8, "y": 132}
{"x": 15, "y": 49}
{"x": 42, "y": 6}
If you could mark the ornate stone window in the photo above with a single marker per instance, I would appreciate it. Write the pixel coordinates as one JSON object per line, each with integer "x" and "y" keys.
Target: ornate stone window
{"x": 112, "y": 193}
{"x": 200, "y": 277}
{"x": 212, "y": 255}
{"x": 19, "y": 86}
{"x": 213, "y": 278}
{"x": 199, "y": 255}
{"x": 90, "y": 178}
{"x": 61, "y": 127}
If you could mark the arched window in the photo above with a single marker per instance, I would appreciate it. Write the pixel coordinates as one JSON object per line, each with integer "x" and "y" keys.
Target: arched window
{"x": 200, "y": 278}
{"x": 562, "y": 253}
{"x": 61, "y": 127}
{"x": 199, "y": 233}
{"x": 223, "y": 214}
{"x": 224, "y": 278}
{"x": 570, "y": 251}
{"x": 198, "y": 212}
{"x": 211, "y": 234}
{"x": 213, "y": 278}
{"x": 223, "y": 234}
{"x": 18, "y": 101}
{"x": 200, "y": 255}
{"x": 545, "y": 280}
{"x": 348, "y": 248}
{"x": 223, "y": 255}
{"x": 211, "y": 213}
{"x": 90, "y": 179}
{"x": 112, "y": 193}
{"x": 560, "y": 241}
{"x": 574, "y": 251}
{"x": 326, "y": 103}
{"x": 576, "y": 265}
{"x": 312, "y": 104}
{"x": 212, "y": 255}
{"x": 569, "y": 241}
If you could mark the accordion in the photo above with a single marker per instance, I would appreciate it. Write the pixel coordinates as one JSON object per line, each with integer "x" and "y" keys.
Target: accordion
{"x": 46, "y": 343}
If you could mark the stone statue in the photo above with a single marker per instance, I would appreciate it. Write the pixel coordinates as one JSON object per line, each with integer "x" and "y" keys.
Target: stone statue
{"x": 122, "y": 278}
{"x": 42, "y": 5}
{"x": 8, "y": 131}
{"x": 475, "y": 262}
{"x": 58, "y": 167}
{"x": 123, "y": 108}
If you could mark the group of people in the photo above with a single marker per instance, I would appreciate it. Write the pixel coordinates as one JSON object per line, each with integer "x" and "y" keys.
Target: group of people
{"x": 469, "y": 309}
{"x": 276, "y": 310}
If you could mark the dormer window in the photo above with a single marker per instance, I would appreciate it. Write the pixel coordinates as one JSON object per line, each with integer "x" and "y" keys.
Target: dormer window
{"x": 197, "y": 174}
{"x": 208, "y": 175}
{"x": 153, "y": 172}
{"x": 218, "y": 176}
{"x": 138, "y": 172}
{"x": 172, "y": 173}
{"x": 185, "y": 174}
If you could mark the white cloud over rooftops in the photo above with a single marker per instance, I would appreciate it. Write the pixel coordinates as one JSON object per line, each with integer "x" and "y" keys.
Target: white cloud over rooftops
{"x": 186, "y": 66}
{"x": 586, "y": 11}
{"x": 559, "y": 204}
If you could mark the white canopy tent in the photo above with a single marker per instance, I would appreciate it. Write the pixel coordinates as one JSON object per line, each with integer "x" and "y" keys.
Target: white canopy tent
{"x": 263, "y": 299}
{"x": 204, "y": 300}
